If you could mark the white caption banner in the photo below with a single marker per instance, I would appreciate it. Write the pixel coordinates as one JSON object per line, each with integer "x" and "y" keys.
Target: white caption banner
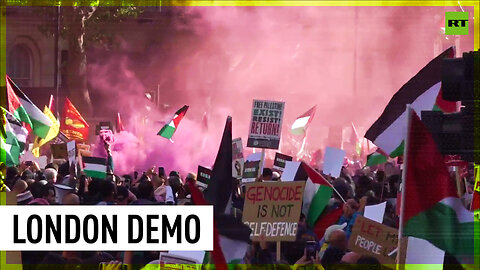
{"x": 115, "y": 228}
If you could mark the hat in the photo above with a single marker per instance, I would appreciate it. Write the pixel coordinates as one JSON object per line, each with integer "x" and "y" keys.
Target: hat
{"x": 333, "y": 228}
{"x": 24, "y": 198}
{"x": 60, "y": 191}
{"x": 275, "y": 176}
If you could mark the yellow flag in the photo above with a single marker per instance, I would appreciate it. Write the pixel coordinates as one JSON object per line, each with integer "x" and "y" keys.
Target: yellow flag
{"x": 52, "y": 133}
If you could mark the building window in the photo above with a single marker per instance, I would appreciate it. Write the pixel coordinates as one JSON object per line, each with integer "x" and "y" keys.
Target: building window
{"x": 19, "y": 66}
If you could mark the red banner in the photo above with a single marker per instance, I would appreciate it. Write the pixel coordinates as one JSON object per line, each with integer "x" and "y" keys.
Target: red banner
{"x": 73, "y": 125}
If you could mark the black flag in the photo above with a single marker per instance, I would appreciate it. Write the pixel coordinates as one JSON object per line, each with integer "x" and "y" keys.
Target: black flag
{"x": 221, "y": 183}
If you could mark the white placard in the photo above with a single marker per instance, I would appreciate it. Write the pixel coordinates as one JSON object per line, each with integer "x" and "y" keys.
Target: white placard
{"x": 375, "y": 212}
{"x": 333, "y": 161}
{"x": 291, "y": 168}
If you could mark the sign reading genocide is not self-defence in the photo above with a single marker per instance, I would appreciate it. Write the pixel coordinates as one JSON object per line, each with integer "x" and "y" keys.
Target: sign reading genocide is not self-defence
{"x": 266, "y": 124}
{"x": 273, "y": 209}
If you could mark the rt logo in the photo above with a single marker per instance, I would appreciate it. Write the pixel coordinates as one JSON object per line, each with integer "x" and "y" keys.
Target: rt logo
{"x": 456, "y": 23}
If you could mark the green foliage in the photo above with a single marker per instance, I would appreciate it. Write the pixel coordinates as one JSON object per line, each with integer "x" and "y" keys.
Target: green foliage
{"x": 95, "y": 25}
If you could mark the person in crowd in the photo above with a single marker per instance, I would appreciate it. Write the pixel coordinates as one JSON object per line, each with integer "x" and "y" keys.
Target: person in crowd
{"x": 267, "y": 174}
{"x": 40, "y": 193}
{"x": 363, "y": 186}
{"x": 107, "y": 192}
{"x": 51, "y": 175}
{"x": 19, "y": 187}
{"x": 27, "y": 174}
{"x": 303, "y": 232}
{"x": 351, "y": 209}
{"x": 24, "y": 198}
{"x": 144, "y": 194}
{"x": 275, "y": 176}
{"x": 11, "y": 176}
{"x": 71, "y": 199}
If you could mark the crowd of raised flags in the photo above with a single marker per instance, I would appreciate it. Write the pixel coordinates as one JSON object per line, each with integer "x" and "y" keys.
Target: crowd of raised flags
{"x": 429, "y": 206}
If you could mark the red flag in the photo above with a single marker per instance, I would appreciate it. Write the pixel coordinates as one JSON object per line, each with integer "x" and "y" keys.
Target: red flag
{"x": 73, "y": 125}
{"x": 119, "y": 125}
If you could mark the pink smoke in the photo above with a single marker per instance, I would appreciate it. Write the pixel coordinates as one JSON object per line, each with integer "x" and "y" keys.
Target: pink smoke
{"x": 349, "y": 61}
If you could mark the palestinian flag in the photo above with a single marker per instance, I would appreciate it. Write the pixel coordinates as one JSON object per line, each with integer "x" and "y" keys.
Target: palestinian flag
{"x": 318, "y": 190}
{"x": 95, "y": 167}
{"x": 38, "y": 121}
{"x": 10, "y": 148}
{"x": 436, "y": 215}
{"x": 376, "y": 158}
{"x": 15, "y": 130}
{"x": 301, "y": 123}
{"x": 231, "y": 238}
{"x": 169, "y": 129}
{"x": 15, "y": 107}
{"x": 422, "y": 92}
{"x": 326, "y": 220}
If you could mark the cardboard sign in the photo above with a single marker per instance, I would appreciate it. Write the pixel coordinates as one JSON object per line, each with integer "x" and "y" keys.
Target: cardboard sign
{"x": 266, "y": 124}
{"x": 237, "y": 158}
{"x": 250, "y": 171}
{"x": 203, "y": 176}
{"x": 273, "y": 209}
{"x": 374, "y": 239}
{"x": 279, "y": 162}
{"x": 59, "y": 151}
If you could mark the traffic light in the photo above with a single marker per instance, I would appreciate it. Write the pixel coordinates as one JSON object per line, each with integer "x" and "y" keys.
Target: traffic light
{"x": 454, "y": 132}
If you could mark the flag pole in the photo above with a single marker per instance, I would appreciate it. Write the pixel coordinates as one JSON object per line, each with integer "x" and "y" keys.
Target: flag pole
{"x": 404, "y": 178}
{"x": 303, "y": 145}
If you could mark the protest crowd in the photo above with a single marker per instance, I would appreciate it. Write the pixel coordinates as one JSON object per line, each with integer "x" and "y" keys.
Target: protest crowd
{"x": 324, "y": 228}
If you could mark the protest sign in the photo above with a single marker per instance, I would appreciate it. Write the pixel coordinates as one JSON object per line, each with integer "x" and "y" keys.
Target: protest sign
{"x": 103, "y": 126}
{"x": 237, "y": 158}
{"x": 71, "y": 150}
{"x": 272, "y": 209}
{"x": 266, "y": 124}
{"x": 203, "y": 176}
{"x": 197, "y": 256}
{"x": 375, "y": 212}
{"x": 59, "y": 151}
{"x": 250, "y": 171}
{"x": 333, "y": 161}
{"x": 177, "y": 262}
{"x": 279, "y": 162}
{"x": 374, "y": 239}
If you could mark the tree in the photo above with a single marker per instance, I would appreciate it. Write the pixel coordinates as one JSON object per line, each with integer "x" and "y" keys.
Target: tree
{"x": 80, "y": 23}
